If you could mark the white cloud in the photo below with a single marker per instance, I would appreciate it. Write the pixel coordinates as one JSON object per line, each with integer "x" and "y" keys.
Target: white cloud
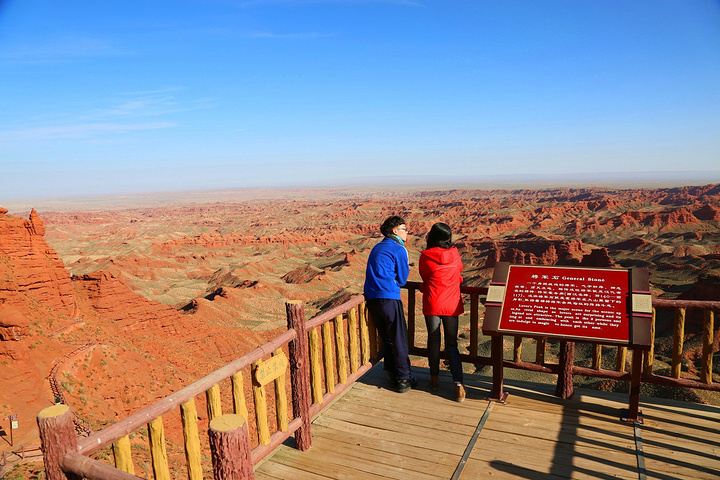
{"x": 59, "y": 49}
{"x": 288, "y": 35}
{"x": 151, "y": 104}
{"x": 80, "y": 131}
{"x": 250, "y": 3}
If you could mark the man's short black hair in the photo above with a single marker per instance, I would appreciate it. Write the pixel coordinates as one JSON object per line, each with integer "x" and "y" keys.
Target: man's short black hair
{"x": 390, "y": 224}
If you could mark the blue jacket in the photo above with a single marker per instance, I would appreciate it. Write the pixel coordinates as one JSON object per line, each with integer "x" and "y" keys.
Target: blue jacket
{"x": 387, "y": 270}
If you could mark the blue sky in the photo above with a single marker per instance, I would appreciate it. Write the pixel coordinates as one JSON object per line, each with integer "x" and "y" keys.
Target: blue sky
{"x": 128, "y": 96}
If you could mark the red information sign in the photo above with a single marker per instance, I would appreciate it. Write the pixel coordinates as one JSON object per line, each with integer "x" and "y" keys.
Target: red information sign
{"x": 562, "y": 301}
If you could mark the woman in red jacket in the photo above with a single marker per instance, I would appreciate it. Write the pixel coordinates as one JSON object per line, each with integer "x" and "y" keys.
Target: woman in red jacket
{"x": 440, "y": 269}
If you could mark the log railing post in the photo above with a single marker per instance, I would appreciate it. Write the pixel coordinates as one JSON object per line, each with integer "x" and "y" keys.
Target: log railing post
{"x": 540, "y": 351}
{"x": 678, "y": 338}
{"x": 191, "y": 436}
{"x": 328, "y": 364}
{"x": 299, "y": 373}
{"x": 517, "y": 351}
{"x": 411, "y": 319}
{"x": 239, "y": 407}
{"x": 597, "y": 357}
{"x": 564, "y": 387}
{"x": 260, "y": 402}
{"x": 340, "y": 351}
{"x": 281, "y": 410}
{"x": 649, "y": 355}
{"x": 315, "y": 373}
{"x": 364, "y": 336}
{"x": 158, "y": 450}
{"x": 122, "y": 455}
{"x": 474, "y": 324}
{"x": 354, "y": 350}
{"x": 230, "y": 448}
{"x": 57, "y": 438}
{"x": 214, "y": 402}
{"x": 708, "y": 332}
{"x": 621, "y": 359}
{"x": 372, "y": 335}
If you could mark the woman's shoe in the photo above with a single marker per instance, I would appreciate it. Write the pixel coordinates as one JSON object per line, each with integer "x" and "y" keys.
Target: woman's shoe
{"x": 460, "y": 392}
{"x": 434, "y": 383}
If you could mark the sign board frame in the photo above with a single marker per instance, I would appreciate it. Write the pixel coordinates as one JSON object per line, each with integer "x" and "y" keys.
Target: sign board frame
{"x": 633, "y": 314}
{"x": 534, "y": 301}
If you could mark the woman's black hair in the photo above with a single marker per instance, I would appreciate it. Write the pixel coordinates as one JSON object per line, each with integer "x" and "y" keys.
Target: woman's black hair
{"x": 440, "y": 236}
{"x": 390, "y": 224}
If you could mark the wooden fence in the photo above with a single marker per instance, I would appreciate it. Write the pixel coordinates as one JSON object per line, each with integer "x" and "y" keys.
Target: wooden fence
{"x": 325, "y": 356}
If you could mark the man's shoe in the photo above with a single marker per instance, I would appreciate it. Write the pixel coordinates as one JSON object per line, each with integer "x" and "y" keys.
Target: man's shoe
{"x": 459, "y": 392}
{"x": 405, "y": 385}
{"x": 391, "y": 377}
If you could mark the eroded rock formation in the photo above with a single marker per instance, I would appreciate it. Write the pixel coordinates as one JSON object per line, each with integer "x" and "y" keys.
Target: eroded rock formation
{"x": 30, "y": 270}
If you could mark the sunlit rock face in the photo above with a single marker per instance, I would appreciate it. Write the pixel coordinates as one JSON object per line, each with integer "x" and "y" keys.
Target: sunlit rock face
{"x": 32, "y": 276}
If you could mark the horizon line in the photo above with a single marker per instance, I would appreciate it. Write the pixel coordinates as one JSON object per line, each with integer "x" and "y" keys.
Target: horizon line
{"x": 407, "y": 183}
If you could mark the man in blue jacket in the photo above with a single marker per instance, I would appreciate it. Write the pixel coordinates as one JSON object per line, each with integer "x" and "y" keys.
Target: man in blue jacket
{"x": 387, "y": 270}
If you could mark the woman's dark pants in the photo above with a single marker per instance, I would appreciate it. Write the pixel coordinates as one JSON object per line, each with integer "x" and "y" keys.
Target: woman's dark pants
{"x": 450, "y": 331}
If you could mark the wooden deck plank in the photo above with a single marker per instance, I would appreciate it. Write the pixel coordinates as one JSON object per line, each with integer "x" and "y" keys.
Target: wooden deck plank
{"x": 404, "y": 416}
{"x": 555, "y": 429}
{"x": 277, "y": 470}
{"x": 443, "y": 404}
{"x": 408, "y": 437}
{"x": 405, "y": 465}
{"x": 380, "y": 445}
{"x": 327, "y": 460}
{"x": 519, "y": 442}
{"x": 376, "y": 433}
{"x": 548, "y": 456}
{"x": 680, "y": 442}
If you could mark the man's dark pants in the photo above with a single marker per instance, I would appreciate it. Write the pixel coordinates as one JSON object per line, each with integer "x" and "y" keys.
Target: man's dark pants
{"x": 389, "y": 318}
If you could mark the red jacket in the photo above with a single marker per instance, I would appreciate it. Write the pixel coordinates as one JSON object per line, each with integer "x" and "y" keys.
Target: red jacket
{"x": 440, "y": 269}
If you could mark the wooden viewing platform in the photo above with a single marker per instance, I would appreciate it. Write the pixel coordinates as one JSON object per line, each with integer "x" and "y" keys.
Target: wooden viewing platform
{"x": 337, "y": 417}
{"x": 372, "y": 432}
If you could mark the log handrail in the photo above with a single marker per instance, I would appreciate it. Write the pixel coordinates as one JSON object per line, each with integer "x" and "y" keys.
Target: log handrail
{"x": 328, "y": 315}
{"x": 463, "y": 288}
{"x": 701, "y": 304}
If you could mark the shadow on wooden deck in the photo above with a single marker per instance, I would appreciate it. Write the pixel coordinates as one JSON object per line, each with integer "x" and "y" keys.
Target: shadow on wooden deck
{"x": 372, "y": 432}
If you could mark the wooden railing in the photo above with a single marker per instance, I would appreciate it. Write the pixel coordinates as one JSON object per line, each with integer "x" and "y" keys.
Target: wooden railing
{"x": 618, "y": 370}
{"x": 326, "y": 355}
{"x": 322, "y": 364}
{"x": 681, "y": 310}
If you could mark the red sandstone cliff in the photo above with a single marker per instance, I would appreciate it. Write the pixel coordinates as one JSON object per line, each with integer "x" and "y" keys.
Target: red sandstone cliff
{"x": 30, "y": 270}
{"x": 116, "y": 350}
